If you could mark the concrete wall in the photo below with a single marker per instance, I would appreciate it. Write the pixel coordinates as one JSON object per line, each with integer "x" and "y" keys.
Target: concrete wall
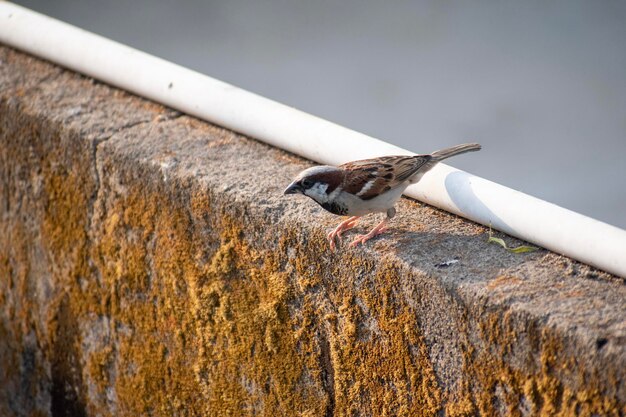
{"x": 149, "y": 265}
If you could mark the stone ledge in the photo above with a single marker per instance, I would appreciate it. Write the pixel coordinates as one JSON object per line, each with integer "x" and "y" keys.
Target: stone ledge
{"x": 150, "y": 265}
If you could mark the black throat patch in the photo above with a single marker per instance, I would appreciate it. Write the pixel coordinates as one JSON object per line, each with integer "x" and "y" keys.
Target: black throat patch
{"x": 335, "y": 208}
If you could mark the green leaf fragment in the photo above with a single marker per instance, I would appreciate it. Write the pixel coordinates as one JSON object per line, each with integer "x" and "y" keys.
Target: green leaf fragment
{"x": 519, "y": 249}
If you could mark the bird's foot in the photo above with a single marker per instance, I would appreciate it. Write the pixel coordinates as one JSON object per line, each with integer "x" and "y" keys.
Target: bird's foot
{"x": 342, "y": 227}
{"x": 379, "y": 229}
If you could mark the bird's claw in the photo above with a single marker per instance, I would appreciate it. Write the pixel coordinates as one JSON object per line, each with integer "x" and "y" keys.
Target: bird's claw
{"x": 364, "y": 238}
{"x": 338, "y": 231}
{"x": 357, "y": 240}
{"x": 331, "y": 241}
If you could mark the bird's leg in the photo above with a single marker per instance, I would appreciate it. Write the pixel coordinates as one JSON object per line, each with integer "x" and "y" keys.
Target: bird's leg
{"x": 343, "y": 226}
{"x": 380, "y": 228}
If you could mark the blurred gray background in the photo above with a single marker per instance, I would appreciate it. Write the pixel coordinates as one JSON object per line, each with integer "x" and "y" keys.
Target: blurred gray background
{"x": 541, "y": 85}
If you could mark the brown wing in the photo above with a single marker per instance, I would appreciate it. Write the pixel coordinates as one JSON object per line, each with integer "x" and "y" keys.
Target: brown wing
{"x": 370, "y": 177}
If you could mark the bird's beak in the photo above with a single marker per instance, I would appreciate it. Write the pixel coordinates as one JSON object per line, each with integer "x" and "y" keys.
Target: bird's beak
{"x": 294, "y": 188}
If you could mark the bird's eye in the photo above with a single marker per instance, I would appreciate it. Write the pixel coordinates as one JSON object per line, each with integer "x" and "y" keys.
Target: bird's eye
{"x": 306, "y": 183}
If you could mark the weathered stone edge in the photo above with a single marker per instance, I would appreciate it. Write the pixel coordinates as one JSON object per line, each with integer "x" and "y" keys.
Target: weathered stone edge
{"x": 497, "y": 325}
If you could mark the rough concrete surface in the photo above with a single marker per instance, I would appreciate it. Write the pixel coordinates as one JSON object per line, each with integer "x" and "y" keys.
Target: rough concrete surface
{"x": 149, "y": 265}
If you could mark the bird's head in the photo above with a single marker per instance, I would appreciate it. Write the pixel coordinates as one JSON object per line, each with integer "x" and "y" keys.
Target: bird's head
{"x": 317, "y": 183}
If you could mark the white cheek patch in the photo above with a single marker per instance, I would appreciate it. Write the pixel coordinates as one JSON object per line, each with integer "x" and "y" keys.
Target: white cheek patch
{"x": 317, "y": 192}
{"x": 334, "y": 194}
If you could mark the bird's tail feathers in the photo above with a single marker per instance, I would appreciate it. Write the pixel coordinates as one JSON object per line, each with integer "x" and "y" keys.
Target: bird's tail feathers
{"x": 455, "y": 150}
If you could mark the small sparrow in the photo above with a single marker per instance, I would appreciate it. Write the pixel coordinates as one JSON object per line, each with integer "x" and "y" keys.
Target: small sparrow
{"x": 368, "y": 186}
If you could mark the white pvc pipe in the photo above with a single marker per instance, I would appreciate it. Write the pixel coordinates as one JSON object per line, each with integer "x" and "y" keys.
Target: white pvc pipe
{"x": 545, "y": 224}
